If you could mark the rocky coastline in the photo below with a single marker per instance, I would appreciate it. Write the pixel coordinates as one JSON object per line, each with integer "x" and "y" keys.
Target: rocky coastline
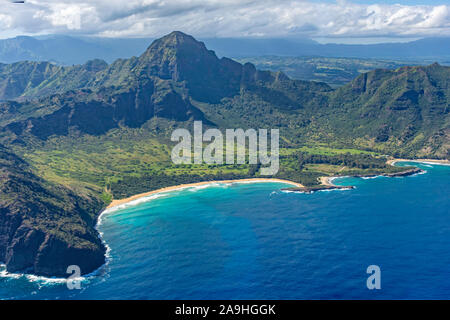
{"x": 326, "y": 183}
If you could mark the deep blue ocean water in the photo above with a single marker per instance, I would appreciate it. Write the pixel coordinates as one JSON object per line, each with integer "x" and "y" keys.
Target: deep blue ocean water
{"x": 252, "y": 241}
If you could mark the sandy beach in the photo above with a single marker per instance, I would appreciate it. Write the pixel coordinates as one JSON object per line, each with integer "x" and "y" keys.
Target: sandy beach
{"x": 183, "y": 186}
{"x": 326, "y": 181}
{"x": 393, "y": 161}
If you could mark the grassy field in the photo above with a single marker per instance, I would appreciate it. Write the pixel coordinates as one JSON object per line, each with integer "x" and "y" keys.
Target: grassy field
{"x": 334, "y": 71}
{"x": 324, "y": 150}
{"x": 125, "y": 162}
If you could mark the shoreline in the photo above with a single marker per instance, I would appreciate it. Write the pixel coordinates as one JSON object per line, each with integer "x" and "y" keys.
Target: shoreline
{"x": 326, "y": 181}
{"x": 119, "y": 202}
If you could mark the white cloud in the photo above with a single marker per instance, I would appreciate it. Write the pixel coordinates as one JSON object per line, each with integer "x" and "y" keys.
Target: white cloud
{"x": 69, "y": 16}
{"x": 5, "y": 21}
{"x": 232, "y": 18}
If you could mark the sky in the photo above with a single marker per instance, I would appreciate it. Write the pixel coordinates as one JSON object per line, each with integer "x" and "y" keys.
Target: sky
{"x": 328, "y": 20}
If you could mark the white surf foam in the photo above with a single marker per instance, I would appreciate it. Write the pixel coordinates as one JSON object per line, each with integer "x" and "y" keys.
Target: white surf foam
{"x": 418, "y": 173}
{"x": 434, "y": 163}
{"x": 290, "y": 191}
{"x": 204, "y": 186}
{"x": 337, "y": 189}
{"x": 374, "y": 177}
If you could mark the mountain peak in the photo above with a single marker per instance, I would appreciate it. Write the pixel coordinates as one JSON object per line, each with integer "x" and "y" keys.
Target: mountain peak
{"x": 174, "y": 42}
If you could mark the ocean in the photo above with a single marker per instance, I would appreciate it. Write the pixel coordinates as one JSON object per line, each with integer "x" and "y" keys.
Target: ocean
{"x": 254, "y": 241}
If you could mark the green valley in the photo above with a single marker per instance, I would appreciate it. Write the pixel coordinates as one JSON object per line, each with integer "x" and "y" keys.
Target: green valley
{"x": 86, "y": 134}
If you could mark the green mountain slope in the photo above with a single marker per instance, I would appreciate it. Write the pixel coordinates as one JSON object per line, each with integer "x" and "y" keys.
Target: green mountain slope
{"x": 334, "y": 71}
{"x": 34, "y": 79}
{"x": 96, "y": 131}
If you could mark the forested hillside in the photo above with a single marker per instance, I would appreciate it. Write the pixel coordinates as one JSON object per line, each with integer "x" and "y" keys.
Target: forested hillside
{"x": 75, "y": 137}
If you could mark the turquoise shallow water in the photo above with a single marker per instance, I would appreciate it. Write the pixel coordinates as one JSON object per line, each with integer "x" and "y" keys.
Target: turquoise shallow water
{"x": 252, "y": 241}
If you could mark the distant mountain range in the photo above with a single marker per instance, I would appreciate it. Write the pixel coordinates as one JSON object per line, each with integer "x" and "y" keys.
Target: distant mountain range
{"x": 72, "y": 137}
{"x": 68, "y": 50}
{"x": 333, "y": 71}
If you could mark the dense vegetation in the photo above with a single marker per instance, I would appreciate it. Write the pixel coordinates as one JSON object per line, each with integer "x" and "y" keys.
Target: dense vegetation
{"x": 94, "y": 132}
{"x": 31, "y": 79}
{"x": 70, "y": 50}
{"x": 44, "y": 227}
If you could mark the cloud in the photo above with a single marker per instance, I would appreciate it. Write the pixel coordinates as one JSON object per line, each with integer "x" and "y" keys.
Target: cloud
{"x": 5, "y": 21}
{"x": 220, "y": 18}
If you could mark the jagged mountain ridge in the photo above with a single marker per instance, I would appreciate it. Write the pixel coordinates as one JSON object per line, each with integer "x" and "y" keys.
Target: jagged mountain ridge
{"x": 33, "y": 79}
{"x": 174, "y": 71}
{"x": 407, "y": 108}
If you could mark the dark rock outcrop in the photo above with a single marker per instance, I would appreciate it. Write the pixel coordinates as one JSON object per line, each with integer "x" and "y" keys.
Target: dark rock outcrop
{"x": 44, "y": 227}
{"x": 312, "y": 189}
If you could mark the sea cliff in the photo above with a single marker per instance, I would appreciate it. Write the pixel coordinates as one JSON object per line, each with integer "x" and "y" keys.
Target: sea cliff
{"x": 44, "y": 227}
